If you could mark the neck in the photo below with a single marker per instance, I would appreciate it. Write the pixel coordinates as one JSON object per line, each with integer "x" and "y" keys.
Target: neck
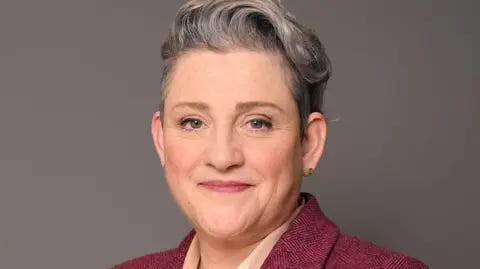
{"x": 227, "y": 254}
{"x": 220, "y": 254}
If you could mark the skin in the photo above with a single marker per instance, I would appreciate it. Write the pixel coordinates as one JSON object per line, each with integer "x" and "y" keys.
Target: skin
{"x": 231, "y": 116}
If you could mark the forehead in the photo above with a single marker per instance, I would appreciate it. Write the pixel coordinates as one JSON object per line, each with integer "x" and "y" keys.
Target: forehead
{"x": 236, "y": 76}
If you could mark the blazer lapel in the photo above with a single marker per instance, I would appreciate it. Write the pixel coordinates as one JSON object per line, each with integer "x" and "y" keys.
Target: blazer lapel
{"x": 178, "y": 257}
{"x": 308, "y": 241}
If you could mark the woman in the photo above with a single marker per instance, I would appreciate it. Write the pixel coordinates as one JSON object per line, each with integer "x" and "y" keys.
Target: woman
{"x": 239, "y": 125}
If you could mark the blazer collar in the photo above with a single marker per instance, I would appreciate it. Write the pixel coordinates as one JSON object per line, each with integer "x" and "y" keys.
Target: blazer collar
{"x": 308, "y": 242}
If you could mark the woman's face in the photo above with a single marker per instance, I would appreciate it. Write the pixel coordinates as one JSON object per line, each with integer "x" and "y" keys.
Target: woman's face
{"x": 230, "y": 142}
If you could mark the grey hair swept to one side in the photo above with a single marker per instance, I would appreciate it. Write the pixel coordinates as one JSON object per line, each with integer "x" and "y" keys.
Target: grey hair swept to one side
{"x": 223, "y": 25}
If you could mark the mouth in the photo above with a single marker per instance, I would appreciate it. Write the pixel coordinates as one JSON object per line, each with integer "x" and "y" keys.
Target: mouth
{"x": 225, "y": 186}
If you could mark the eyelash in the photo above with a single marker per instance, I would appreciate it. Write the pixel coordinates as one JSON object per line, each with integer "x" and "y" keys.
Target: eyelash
{"x": 265, "y": 123}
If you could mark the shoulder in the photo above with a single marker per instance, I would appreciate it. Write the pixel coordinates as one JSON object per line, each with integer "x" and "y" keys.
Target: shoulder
{"x": 170, "y": 259}
{"x": 165, "y": 259}
{"x": 352, "y": 252}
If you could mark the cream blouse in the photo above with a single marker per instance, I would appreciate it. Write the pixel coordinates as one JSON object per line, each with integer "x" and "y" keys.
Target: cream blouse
{"x": 255, "y": 259}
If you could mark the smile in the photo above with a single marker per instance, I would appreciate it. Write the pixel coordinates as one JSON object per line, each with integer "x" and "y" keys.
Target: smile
{"x": 225, "y": 186}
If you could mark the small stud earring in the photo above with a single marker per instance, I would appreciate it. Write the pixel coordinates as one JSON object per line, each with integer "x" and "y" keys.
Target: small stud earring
{"x": 310, "y": 172}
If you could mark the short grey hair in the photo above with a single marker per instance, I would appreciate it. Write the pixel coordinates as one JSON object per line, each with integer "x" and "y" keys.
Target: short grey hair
{"x": 222, "y": 25}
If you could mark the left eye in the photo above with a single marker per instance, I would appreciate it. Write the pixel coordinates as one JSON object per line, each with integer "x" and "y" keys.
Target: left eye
{"x": 259, "y": 124}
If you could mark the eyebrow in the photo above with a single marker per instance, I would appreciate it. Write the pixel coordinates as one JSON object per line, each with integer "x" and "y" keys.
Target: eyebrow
{"x": 250, "y": 105}
{"x": 243, "y": 106}
{"x": 194, "y": 105}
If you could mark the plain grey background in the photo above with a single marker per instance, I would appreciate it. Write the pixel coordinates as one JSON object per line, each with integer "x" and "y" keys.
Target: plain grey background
{"x": 81, "y": 186}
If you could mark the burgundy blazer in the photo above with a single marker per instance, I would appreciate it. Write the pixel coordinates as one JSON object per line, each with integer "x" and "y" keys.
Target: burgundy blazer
{"x": 311, "y": 241}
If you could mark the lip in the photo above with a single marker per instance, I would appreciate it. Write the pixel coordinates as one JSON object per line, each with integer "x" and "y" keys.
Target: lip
{"x": 225, "y": 186}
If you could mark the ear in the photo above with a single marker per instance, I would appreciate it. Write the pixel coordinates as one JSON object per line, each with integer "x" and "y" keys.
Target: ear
{"x": 313, "y": 141}
{"x": 157, "y": 134}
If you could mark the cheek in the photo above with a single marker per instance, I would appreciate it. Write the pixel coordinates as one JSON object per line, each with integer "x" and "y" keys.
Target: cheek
{"x": 180, "y": 155}
{"x": 275, "y": 159}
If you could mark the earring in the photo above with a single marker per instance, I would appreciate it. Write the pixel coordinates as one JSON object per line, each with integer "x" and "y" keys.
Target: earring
{"x": 310, "y": 171}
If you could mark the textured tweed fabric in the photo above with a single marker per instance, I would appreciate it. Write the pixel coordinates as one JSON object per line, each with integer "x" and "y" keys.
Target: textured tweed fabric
{"x": 311, "y": 241}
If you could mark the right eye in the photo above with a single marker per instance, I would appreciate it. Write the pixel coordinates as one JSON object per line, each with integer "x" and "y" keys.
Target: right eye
{"x": 191, "y": 124}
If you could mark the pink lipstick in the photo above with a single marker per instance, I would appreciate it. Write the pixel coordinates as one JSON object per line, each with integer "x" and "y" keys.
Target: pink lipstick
{"x": 225, "y": 186}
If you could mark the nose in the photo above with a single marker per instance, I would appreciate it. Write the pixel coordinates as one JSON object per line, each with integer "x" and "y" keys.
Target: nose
{"x": 224, "y": 151}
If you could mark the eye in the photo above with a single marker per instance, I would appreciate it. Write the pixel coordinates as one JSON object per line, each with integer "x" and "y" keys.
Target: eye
{"x": 191, "y": 124}
{"x": 259, "y": 124}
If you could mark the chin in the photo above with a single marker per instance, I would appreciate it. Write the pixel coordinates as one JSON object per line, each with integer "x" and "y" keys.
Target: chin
{"x": 223, "y": 226}
{"x": 224, "y": 232}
